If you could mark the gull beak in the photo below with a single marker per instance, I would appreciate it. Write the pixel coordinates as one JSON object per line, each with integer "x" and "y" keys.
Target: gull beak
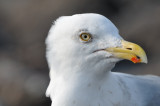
{"x": 129, "y": 51}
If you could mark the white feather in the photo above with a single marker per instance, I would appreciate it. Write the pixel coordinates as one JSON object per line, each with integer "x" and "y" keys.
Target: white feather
{"x": 80, "y": 77}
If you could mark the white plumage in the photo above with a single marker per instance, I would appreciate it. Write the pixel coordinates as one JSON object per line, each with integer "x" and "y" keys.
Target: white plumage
{"x": 80, "y": 71}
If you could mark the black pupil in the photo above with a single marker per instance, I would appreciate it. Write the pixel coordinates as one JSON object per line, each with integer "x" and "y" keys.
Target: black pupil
{"x": 85, "y": 36}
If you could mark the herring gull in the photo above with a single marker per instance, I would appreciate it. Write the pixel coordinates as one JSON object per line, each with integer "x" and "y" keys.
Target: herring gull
{"x": 82, "y": 49}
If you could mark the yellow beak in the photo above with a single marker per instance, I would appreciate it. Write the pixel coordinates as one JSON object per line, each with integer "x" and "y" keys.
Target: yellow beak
{"x": 129, "y": 51}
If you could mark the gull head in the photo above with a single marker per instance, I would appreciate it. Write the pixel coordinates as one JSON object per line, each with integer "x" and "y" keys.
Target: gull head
{"x": 88, "y": 42}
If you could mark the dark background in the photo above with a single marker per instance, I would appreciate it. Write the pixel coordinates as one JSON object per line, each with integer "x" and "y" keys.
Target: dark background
{"x": 24, "y": 25}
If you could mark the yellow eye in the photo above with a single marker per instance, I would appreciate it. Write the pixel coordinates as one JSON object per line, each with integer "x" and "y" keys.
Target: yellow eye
{"x": 85, "y": 36}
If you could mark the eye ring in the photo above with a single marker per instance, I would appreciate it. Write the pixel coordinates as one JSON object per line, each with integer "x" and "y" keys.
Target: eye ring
{"x": 85, "y": 37}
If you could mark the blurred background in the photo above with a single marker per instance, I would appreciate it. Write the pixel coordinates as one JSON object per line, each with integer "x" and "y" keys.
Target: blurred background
{"x": 24, "y": 25}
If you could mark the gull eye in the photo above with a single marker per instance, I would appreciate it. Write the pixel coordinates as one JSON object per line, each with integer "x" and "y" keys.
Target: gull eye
{"x": 85, "y": 37}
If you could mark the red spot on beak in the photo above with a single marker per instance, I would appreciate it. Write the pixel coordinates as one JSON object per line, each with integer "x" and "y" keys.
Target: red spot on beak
{"x": 135, "y": 60}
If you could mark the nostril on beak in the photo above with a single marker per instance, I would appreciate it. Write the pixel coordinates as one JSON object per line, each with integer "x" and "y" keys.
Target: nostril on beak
{"x": 129, "y": 48}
